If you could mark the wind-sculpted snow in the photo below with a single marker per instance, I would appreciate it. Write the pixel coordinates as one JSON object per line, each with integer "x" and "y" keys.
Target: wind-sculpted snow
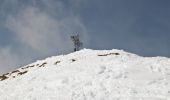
{"x": 90, "y": 75}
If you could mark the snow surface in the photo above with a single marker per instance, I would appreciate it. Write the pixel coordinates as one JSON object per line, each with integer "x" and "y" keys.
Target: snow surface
{"x": 90, "y": 75}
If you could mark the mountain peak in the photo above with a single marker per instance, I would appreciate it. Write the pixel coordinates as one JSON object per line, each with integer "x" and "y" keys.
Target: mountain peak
{"x": 90, "y": 75}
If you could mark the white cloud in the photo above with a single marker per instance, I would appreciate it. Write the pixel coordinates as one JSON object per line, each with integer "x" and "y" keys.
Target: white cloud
{"x": 42, "y": 32}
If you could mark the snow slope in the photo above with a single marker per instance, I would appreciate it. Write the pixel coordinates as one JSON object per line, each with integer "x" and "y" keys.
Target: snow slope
{"x": 90, "y": 75}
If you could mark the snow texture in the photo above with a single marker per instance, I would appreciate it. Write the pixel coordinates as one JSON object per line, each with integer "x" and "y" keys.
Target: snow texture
{"x": 90, "y": 75}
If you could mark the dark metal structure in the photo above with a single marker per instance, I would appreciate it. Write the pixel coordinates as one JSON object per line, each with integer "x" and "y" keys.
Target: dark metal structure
{"x": 77, "y": 43}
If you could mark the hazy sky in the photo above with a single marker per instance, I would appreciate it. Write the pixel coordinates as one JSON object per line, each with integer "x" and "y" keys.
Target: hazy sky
{"x": 36, "y": 29}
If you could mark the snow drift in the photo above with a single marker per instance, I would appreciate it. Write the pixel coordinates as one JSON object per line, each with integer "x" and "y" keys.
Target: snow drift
{"x": 90, "y": 75}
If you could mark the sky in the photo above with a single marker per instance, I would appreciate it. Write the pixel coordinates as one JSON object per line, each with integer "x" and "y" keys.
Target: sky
{"x": 31, "y": 30}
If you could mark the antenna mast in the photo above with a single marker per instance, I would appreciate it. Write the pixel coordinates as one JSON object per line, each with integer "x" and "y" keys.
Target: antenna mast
{"x": 77, "y": 43}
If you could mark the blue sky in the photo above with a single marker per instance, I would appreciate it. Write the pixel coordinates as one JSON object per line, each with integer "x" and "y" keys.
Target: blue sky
{"x": 36, "y": 29}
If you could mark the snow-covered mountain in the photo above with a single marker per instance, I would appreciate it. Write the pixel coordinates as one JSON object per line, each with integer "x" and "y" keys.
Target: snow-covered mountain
{"x": 90, "y": 75}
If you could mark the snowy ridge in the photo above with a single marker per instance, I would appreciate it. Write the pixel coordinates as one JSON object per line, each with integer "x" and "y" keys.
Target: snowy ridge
{"x": 90, "y": 75}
